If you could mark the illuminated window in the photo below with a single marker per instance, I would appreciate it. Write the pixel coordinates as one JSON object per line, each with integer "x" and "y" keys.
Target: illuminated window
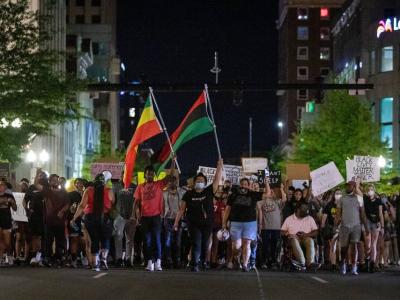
{"x": 310, "y": 106}
{"x": 302, "y": 33}
{"x": 324, "y": 53}
{"x": 387, "y": 59}
{"x": 132, "y": 112}
{"x": 324, "y": 13}
{"x": 386, "y": 118}
{"x": 387, "y": 135}
{"x": 324, "y": 33}
{"x": 324, "y": 72}
{"x": 302, "y": 94}
{"x": 302, "y": 13}
{"x": 302, "y": 53}
{"x": 302, "y": 73}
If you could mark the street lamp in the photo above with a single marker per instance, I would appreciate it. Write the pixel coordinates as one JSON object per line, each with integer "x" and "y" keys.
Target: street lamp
{"x": 280, "y": 124}
{"x": 44, "y": 156}
{"x": 31, "y": 157}
{"x": 381, "y": 162}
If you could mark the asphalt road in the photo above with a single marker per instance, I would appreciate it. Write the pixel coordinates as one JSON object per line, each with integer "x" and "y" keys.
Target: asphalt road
{"x": 43, "y": 283}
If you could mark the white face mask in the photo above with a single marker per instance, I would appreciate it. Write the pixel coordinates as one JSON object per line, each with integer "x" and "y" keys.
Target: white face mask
{"x": 199, "y": 185}
{"x": 338, "y": 197}
{"x": 371, "y": 193}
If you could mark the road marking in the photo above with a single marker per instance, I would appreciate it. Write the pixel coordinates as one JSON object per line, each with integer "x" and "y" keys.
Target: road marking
{"x": 99, "y": 275}
{"x": 319, "y": 279}
{"x": 260, "y": 287}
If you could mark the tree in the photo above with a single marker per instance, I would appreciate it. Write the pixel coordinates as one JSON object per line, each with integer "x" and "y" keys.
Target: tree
{"x": 343, "y": 128}
{"x": 31, "y": 89}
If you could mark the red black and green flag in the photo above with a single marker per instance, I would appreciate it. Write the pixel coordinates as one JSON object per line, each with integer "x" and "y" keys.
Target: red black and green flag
{"x": 195, "y": 123}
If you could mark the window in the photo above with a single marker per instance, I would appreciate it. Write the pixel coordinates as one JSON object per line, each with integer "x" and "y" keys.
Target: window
{"x": 324, "y": 53}
{"x": 96, "y": 2}
{"x": 302, "y": 53}
{"x": 80, "y": 19}
{"x": 302, "y": 13}
{"x": 324, "y": 33}
{"x": 302, "y": 73}
{"x": 302, "y": 33}
{"x": 302, "y": 94}
{"x": 386, "y": 118}
{"x": 387, "y": 59}
{"x": 372, "y": 62}
{"x": 96, "y": 19}
{"x": 324, "y": 13}
{"x": 324, "y": 72}
{"x": 80, "y": 3}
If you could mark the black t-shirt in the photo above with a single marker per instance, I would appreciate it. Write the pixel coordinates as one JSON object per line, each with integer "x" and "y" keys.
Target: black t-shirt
{"x": 34, "y": 201}
{"x": 330, "y": 210}
{"x": 200, "y": 207}
{"x": 243, "y": 206}
{"x": 372, "y": 209}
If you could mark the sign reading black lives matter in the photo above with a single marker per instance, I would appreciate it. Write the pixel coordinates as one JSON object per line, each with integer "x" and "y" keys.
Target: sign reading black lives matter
{"x": 365, "y": 167}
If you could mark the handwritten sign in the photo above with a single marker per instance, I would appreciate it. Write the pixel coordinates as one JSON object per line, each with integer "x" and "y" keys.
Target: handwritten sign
{"x": 365, "y": 167}
{"x": 325, "y": 178}
{"x": 231, "y": 172}
{"x": 114, "y": 168}
{"x": 274, "y": 178}
{"x": 253, "y": 164}
{"x": 20, "y": 214}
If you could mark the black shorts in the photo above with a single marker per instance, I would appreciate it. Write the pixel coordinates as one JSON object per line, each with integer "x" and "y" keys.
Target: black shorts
{"x": 5, "y": 219}
{"x": 36, "y": 226}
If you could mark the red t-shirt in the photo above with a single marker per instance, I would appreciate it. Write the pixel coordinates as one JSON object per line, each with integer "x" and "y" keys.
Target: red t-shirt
{"x": 219, "y": 209}
{"x": 150, "y": 196}
{"x": 107, "y": 201}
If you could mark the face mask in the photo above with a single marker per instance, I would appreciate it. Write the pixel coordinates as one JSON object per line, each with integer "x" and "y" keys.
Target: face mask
{"x": 371, "y": 193}
{"x": 199, "y": 185}
{"x": 338, "y": 197}
{"x": 243, "y": 190}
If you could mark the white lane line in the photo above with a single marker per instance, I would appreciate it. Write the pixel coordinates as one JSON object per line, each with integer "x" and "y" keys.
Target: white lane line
{"x": 260, "y": 287}
{"x": 99, "y": 275}
{"x": 319, "y": 279}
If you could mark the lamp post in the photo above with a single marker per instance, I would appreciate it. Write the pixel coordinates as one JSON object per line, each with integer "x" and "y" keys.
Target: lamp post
{"x": 32, "y": 159}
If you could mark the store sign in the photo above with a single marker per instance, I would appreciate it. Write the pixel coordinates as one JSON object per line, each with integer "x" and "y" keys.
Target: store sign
{"x": 390, "y": 25}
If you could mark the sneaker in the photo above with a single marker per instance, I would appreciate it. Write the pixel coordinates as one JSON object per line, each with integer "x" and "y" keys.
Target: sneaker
{"x": 74, "y": 264}
{"x": 33, "y": 261}
{"x": 85, "y": 261}
{"x": 96, "y": 268}
{"x": 230, "y": 266}
{"x": 10, "y": 260}
{"x": 157, "y": 266}
{"x": 245, "y": 269}
{"x": 104, "y": 264}
{"x": 150, "y": 266}
{"x": 343, "y": 269}
{"x": 195, "y": 269}
{"x": 264, "y": 267}
{"x": 252, "y": 266}
{"x": 354, "y": 270}
{"x": 206, "y": 266}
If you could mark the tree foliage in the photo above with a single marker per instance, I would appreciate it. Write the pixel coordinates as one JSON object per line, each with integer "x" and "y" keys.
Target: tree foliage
{"x": 31, "y": 88}
{"x": 343, "y": 128}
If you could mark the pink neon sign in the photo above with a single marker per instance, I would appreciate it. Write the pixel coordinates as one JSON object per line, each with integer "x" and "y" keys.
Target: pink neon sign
{"x": 390, "y": 25}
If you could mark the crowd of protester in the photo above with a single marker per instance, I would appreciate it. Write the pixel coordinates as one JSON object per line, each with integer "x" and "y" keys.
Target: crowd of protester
{"x": 202, "y": 225}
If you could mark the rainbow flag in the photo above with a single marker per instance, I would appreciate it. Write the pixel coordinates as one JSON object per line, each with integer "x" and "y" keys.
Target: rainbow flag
{"x": 147, "y": 128}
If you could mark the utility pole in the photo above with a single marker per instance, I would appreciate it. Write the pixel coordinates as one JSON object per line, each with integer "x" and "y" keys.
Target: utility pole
{"x": 216, "y": 70}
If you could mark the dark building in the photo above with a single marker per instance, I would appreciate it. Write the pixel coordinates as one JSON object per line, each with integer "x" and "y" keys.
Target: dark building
{"x": 305, "y": 56}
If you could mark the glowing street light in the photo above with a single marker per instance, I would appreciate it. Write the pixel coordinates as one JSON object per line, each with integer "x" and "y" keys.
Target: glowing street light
{"x": 31, "y": 157}
{"x": 44, "y": 156}
{"x": 381, "y": 162}
{"x": 280, "y": 124}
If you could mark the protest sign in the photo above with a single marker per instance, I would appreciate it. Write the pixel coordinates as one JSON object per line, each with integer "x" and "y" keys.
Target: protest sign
{"x": 299, "y": 184}
{"x": 275, "y": 179}
{"x": 325, "y": 178}
{"x": 114, "y": 168}
{"x": 365, "y": 167}
{"x": 253, "y": 164}
{"x": 298, "y": 171}
{"x": 20, "y": 214}
{"x": 231, "y": 172}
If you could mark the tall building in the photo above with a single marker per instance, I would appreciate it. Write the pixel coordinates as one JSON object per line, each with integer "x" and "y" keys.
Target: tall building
{"x": 366, "y": 46}
{"x": 95, "y": 21}
{"x": 305, "y": 56}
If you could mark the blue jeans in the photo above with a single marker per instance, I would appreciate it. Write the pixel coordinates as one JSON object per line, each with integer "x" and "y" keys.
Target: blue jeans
{"x": 253, "y": 252}
{"x": 151, "y": 227}
{"x": 100, "y": 230}
{"x": 270, "y": 240}
{"x": 172, "y": 243}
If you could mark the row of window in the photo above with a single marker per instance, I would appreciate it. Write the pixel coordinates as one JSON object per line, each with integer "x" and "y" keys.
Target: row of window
{"x": 324, "y": 53}
{"x": 386, "y": 120}
{"x": 303, "y": 72}
{"x": 95, "y": 3}
{"x": 385, "y": 62}
{"x": 303, "y": 13}
{"x": 303, "y": 33}
{"x": 80, "y": 19}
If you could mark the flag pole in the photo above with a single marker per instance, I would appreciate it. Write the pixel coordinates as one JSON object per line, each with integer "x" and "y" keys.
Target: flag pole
{"x": 164, "y": 128}
{"x": 212, "y": 118}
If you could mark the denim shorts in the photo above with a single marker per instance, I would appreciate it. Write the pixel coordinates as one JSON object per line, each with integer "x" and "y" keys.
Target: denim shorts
{"x": 243, "y": 230}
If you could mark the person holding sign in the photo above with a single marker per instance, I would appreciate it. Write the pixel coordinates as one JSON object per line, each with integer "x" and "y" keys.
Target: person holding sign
{"x": 7, "y": 201}
{"x": 199, "y": 207}
{"x": 241, "y": 211}
{"x": 350, "y": 215}
{"x": 375, "y": 222}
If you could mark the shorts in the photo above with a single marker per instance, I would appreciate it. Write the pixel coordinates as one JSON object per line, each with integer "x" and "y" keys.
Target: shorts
{"x": 5, "y": 219}
{"x": 244, "y": 230}
{"x": 349, "y": 234}
{"x": 74, "y": 232}
{"x": 373, "y": 226}
{"x": 36, "y": 225}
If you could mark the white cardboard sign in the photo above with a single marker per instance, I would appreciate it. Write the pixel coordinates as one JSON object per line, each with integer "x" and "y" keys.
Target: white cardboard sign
{"x": 230, "y": 172}
{"x": 365, "y": 167}
{"x": 20, "y": 214}
{"x": 325, "y": 178}
{"x": 253, "y": 164}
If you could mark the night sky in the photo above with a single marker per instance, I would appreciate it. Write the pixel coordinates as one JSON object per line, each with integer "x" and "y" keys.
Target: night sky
{"x": 174, "y": 41}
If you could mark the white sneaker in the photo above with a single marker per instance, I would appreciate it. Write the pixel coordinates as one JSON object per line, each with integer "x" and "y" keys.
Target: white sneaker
{"x": 150, "y": 266}
{"x": 158, "y": 267}
{"x": 33, "y": 261}
{"x": 343, "y": 269}
{"x": 10, "y": 260}
{"x": 354, "y": 270}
